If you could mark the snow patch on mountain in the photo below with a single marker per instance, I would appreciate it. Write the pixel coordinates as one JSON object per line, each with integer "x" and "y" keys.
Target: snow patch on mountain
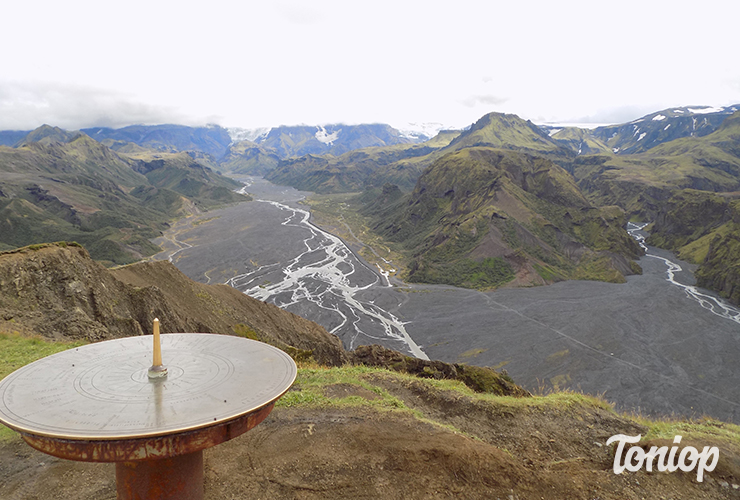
{"x": 243, "y": 134}
{"x": 420, "y": 132}
{"x": 659, "y": 118}
{"x": 705, "y": 110}
{"x": 323, "y": 136}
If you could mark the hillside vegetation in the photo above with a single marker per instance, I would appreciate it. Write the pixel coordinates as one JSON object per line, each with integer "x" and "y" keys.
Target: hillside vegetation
{"x": 450, "y": 232}
{"x": 403, "y": 165}
{"x": 59, "y": 185}
{"x": 62, "y": 185}
{"x": 482, "y": 217}
{"x": 639, "y": 182}
{"x": 361, "y": 169}
{"x": 704, "y": 228}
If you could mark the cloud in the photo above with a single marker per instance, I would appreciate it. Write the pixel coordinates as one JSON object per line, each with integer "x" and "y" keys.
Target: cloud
{"x": 299, "y": 12}
{"x": 487, "y": 100}
{"x": 620, "y": 114}
{"x": 29, "y": 105}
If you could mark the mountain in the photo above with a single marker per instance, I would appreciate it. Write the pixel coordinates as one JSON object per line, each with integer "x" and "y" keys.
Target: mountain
{"x": 181, "y": 173}
{"x": 248, "y": 158}
{"x": 335, "y": 139}
{"x": 46, "y": 134}
{"x": 639, "y": 182}
{"x": 687, "y": 187}
{"x": 704, "y": 228}
{"x": 482, "y": 217}
{"x": 402, "y": 165}
{"x": 247, "y": 152}
{"x": 12, "y": 137}
{"x": 663, "y": 126}
{"x": 507, "y": 131}
{"x": 59, "y": 185}
{"x": 360, "y": 169}
{"x": 580, "y": 140}
{"x": 212, "y": 140}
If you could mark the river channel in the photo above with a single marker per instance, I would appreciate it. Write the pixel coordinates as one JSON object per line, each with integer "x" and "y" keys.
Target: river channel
{"x": 653, "y": 345}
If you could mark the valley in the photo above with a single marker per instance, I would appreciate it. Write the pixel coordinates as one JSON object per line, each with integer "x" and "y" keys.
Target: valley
{"x": 499, "y": 245}
{"x": 643, "y": 344}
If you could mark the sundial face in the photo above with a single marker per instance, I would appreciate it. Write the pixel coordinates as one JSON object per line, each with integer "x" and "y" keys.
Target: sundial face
{"x": 102, "y": 391}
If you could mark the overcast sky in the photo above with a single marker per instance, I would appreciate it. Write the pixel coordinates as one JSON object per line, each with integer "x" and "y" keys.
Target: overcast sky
{"x": 251, "y": 64}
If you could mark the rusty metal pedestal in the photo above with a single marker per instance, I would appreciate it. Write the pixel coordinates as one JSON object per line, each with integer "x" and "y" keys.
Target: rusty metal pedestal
{"x": 96, "y": 404}
{"x": 174, "y": 478}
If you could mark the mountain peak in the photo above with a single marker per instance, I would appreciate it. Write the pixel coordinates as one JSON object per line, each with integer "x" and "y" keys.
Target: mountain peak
{"x": 502, "y": 130}
{"x": 46, "y": 134}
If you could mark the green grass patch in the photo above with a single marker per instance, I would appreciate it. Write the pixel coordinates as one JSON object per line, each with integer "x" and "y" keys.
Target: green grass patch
{"x": 701, "y": 428}
{"x": 17, "y": 351}
{"x": 472, "y": 353}
{"x": 311, "y": 382}
{"x": 486, "y": 274}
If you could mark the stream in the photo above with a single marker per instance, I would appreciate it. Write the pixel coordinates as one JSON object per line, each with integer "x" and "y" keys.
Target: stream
{"x": 656, "y": 345}
{"x": 327, "y": 275}
{"x": 709, "y": 302}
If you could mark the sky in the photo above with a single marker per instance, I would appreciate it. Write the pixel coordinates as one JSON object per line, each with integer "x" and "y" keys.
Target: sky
{"x": 250, "y": 64}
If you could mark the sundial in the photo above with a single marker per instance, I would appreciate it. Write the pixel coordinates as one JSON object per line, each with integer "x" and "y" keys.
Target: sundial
{"x": 116, "y": 401}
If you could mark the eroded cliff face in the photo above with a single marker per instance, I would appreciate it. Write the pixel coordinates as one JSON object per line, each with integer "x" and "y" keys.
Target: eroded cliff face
{"x": 59, "y": 292}
{"x": 704, "y": 228}
{"x": 720, "y": 270}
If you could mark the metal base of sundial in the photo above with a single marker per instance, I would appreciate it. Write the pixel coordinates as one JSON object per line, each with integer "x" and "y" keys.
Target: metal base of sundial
{"x": 155, "y": 431}
{"x": 176, "y": 478}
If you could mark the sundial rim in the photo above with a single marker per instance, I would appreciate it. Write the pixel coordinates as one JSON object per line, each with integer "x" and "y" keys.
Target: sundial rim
{"x": 100, "y": 391}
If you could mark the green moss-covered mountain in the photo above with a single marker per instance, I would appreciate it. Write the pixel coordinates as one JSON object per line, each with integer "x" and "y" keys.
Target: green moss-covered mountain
{"x": 360, "y": 169}
{"x": 58, "y": 185}
{"x": 640, "y": 182}
{"x": 507, "y": 131}
{"x": 581, "y": 141}
{"x": 704, "y": 228}
{"x": 663, "y": 126}
{"x": 482, "y": 217}
{"x": 248, "y": 158}
{"x": 403, "y": 164}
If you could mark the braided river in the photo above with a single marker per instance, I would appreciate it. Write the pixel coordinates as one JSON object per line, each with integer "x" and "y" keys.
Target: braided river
{"x": 656, "y": 345}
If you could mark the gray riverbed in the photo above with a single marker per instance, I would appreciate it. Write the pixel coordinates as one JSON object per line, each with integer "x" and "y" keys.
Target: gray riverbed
{"x": 646, "y": 345}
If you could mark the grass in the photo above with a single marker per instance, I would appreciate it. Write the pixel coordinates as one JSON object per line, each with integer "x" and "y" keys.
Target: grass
{"x": 310, "y": 383}
{"x": 17, "y": 350}
{"x": 704, "y": 428}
